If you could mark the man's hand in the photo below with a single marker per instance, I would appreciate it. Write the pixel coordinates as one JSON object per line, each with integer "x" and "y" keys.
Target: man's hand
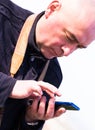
{"x": 31, "y": 88}
{"x": 34, "y": 112}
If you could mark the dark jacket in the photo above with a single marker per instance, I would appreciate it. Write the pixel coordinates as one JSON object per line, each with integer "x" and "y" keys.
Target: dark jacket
{"x": 12, "y": 18}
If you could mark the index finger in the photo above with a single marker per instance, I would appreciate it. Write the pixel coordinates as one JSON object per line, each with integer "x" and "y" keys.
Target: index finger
{"x": 49, "y": 88}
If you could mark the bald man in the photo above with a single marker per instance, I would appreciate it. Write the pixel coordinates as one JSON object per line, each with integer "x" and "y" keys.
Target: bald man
{"x": 65, "y": 26}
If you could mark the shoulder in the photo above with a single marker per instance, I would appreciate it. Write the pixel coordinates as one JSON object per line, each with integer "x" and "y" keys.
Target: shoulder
{"x": 10, "y": 9}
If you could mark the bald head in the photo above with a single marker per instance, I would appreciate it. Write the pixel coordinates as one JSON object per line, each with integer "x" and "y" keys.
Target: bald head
{"x": 82, "y": 3}
{"x": 80, "y": 8}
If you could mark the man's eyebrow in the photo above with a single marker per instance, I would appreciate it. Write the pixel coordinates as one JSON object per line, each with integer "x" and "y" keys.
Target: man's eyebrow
{"x": 73, "y": 37}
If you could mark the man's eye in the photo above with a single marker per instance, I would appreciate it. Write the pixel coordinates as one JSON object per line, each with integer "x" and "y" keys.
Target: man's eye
{"x": 70, "y": 38}
{"x": 81, "y": 47}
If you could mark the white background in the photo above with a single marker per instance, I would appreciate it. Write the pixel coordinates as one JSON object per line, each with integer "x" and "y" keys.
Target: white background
{"x": 77, "y": 85}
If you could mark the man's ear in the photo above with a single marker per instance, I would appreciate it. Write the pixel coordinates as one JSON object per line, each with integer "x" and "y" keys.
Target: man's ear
{"x": 53, "y": 6}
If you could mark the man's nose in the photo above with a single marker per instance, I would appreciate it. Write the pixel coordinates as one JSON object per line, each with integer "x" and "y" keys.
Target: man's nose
{"x": 68, "y": 50}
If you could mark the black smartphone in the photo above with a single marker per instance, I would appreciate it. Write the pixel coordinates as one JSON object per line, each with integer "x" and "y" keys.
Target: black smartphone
{"x": 66, "y": 105}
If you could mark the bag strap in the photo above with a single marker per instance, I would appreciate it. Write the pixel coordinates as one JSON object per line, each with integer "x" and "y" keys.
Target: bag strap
{"x": 21, "y": 45}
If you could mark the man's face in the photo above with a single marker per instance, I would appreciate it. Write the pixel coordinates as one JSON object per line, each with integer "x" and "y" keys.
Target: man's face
{"x": 67, "y": 30}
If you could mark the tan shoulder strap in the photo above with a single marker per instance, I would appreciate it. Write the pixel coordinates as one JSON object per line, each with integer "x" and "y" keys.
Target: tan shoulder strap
{"x": 21, "y": 45}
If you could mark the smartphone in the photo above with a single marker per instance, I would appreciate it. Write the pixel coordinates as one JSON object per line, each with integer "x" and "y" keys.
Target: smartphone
{"x": 66, "y": 105}
{"x": 59, "y": 104}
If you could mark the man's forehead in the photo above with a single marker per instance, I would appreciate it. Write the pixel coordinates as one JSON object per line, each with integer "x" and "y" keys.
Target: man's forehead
{"x": 79, "y": 18}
